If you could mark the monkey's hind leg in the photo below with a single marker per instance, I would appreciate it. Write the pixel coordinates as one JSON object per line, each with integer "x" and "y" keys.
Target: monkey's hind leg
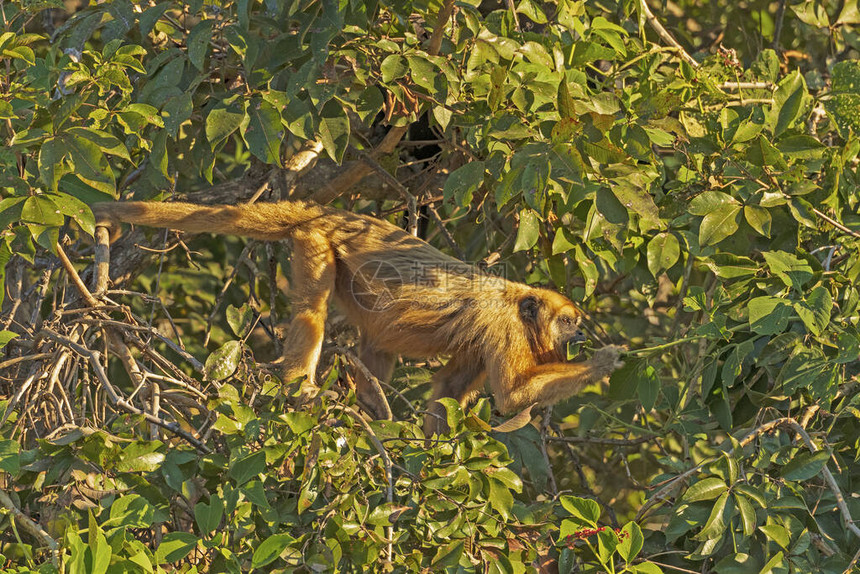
{"x": 459, "y": 379}
{"x": 313, "y": 278}
{"x": 381, "y": 365}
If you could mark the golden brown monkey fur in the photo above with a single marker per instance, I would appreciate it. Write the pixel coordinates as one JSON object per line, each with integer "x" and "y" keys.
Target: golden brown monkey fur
{"x": 406, "y": 298}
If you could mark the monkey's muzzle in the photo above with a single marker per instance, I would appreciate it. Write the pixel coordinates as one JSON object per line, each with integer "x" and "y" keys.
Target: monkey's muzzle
{"x": 578, "y": 337}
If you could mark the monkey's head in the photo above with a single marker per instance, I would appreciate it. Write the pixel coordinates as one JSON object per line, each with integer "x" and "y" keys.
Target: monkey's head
{"x": 551, "y": 322}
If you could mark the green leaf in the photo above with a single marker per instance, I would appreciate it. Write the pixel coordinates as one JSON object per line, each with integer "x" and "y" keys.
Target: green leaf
{"x": 631, "y": 541}
{"x": 587, "y": 269}
{"x": 76, "y": 209}
{"x": 51, "y": 155}
{"x": 758, "y": 218}
{"x": 747, "y": 512}
{"x": 501, "y": 498}
{"x": 663, "y": 252}
{"x": 710, "y": 201}
{"x": 750, "y": 127}
{"x": 140, "y": 456}
{"x": 240, "y": 319}
{"x": 801, "y": 147}
{"x": 393, "y": 67}
{"x": 815, "y": 310}
{"x": 608, "y": 205}
{"x": 40, "y": 209}
{"x": 762, "y": 153}
{"x": 528, "y": 230}
{"x": 425, "y": 74}
{"x": 263, "y": 132}
{"x": 624, "y": 382}
{"x": 369, "y": 104}
{"x": 244, "y": 469}
{"x": 175, "y": 546}
{"x": 102, "y": 140}
{"x": 463, "y": 182}
{"x": 848, "y": 345}
{"x": 768, "y": 315}
{"x": 805, "y": 465}
{"x": 585, "y": 509}
{"x": 640, "y": 202}
{"x": 21, "y": 53}
{"x": 844, "y": 104}
{"x": 208, "y": 516}
{"x": 9, "y": 458}
{"x": 176, "y": 112}
{"x": 299, "y": 118}
{"x": 334, "y": 130}
{"x": 778, "y": 534}
{"x": 223, "y": 120}
{"x": 718, "y": 224}
{"x": 532, "y": 10}
{"x": 447, "y": 555}
{"x": 223, "y": 362}
{"x": 648, "y": 388}
{"x": 100, "y": 550}
{"x": 198, "y": 43}
{"x": 793, "y": 271}
{"x": 705, "y": 489}
{"x": 132, "y": 511}
{"x": 787, "y": 101}
{"x": 719, "y": 519}
{"x": 270, "y": 549}
{"x": 812, "y": 13}
{"x": 562, "y": 242}
{"x": 89, "y": 163}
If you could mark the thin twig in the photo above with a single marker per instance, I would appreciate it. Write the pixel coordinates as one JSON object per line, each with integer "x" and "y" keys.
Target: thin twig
{"x": 32, "y": 527}
{"x": 835, "y": 223}
{"x": 746, "y": 86}
{"x": 600, "y": 440}
{"x": 777, "y": 27}
{"x": 386, "y": 461}
{"x": 371, "y": 379}
{"x": 544, "y": 435}
{"x": 76, "y": 279}
{"x": 446, "y": 235}
{"x": 665, "y": 35}
{"x": 33, "y": 357}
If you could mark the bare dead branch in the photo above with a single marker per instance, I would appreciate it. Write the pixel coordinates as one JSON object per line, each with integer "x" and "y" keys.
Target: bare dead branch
{"x": 94, "y": 358}
{"x": 101, "y": 273}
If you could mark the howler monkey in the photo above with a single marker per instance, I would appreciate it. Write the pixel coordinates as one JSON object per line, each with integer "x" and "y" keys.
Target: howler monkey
{"x": 406, "y": 298}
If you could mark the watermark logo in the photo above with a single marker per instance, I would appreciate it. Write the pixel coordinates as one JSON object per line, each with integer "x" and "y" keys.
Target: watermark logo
{"x": 374, "y": 285}
{"x": 378, "y": 284}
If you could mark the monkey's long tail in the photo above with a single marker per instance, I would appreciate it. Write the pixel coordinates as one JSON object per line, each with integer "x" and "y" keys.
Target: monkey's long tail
{"x": 264, "y": 221}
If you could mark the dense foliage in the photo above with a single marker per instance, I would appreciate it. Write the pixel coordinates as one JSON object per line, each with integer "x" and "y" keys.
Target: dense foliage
{"x": 699, "y": 200}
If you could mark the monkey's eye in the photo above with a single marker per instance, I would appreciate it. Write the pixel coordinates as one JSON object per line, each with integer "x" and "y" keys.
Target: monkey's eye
{"x": 566, "y": 320}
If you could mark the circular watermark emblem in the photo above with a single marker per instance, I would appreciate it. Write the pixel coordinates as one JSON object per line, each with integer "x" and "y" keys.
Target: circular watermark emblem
{"x": 373, "y": 283}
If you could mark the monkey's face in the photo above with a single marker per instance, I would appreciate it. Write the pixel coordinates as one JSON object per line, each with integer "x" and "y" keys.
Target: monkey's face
{"x": 552, "y": 322}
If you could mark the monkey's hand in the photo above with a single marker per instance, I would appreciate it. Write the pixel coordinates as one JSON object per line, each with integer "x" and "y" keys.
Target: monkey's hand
{"x": 607, "y": 359}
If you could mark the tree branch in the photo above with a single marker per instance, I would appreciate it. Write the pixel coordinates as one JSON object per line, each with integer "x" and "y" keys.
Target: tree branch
{"x": 665, "y": 35}
{"x": 32, "y": 527}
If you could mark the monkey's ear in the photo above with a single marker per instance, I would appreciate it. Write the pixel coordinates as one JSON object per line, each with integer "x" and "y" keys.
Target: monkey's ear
{"x": 529, "y": 308}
